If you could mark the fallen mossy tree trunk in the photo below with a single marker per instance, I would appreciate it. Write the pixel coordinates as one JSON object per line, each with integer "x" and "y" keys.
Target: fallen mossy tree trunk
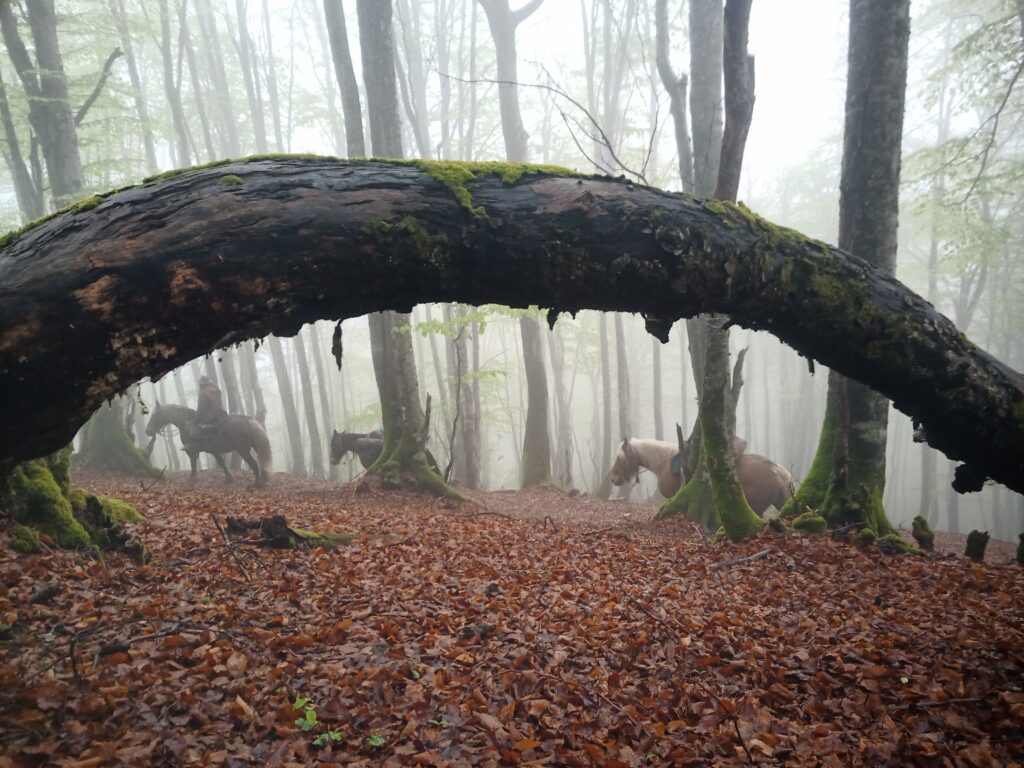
{"x": 275, "y": 532}
{"x": 141, "y": 280}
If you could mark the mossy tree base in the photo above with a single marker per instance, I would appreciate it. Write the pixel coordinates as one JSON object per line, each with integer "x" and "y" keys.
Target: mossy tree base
{"x": 923, "y": 534}
{"x": 402, "y": 464}
{"x": 694, "y": 500}
{"x": 43, "y": 504}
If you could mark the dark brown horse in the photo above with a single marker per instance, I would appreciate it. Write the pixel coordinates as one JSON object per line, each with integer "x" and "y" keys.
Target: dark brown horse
{"x": 242, "y": 434}
{"x": 367, "y": 446}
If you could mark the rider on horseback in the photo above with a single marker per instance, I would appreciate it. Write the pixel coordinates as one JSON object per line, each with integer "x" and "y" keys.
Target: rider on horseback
{"x": 209, "y": 406}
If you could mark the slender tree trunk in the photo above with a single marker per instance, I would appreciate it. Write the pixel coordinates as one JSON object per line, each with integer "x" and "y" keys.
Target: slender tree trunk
{"x": 344, "y": 71}
{"x": 30, "y": 199}
{"x": 316, "y": 444}
{"x": 249, "y": 78}
{"x": 183, "y": 155}
{"x": 197, "y": 84}
{"x": 291, "y": 417}
{"x": 604, "y": 488}
{"x": 563, "y": 425}
{"x": 210, "y": 45}
{"x": 321, "y": 380}
{"x": 869, "y": 205}
{"x": 138, "y": 95}
{"x": 271, "y": 67}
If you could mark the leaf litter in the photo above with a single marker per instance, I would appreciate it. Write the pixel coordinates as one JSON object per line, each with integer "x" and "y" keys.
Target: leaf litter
{"x": 525, "y": 628}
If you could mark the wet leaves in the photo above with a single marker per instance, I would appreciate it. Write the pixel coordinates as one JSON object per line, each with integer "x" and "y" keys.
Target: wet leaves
{"x": 574, "y": 636}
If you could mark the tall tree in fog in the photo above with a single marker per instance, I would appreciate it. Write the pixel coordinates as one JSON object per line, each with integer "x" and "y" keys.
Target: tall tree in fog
{"x": 291, "y": 414}
{"x": 351, "y": 107}
{"x": 847, "y": 478}
{"x": 503, "y": 22}
{"x": 316, "y": 446}
{"x": 46, "y": 88}
{"x": 718, "y": 394}
{"x": 405, "y": 430}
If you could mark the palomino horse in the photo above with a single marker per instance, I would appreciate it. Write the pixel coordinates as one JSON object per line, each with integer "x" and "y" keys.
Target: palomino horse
{"x": 232, "y": 432}
{"x": 367, "y": 446}
{"x": 764, "y": 482}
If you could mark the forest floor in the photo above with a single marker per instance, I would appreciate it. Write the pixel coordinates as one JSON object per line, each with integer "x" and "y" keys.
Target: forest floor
{"x": 531, "y": 628}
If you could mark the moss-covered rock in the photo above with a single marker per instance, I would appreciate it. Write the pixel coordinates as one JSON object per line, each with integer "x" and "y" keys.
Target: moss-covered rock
{"x": 25, "y": 540}
{"x": 810, "y": 522}
{"x": 923, "y": 534}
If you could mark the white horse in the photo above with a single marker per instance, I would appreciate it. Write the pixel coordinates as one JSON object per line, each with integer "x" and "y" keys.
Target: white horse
{"x": 764, "y": 482}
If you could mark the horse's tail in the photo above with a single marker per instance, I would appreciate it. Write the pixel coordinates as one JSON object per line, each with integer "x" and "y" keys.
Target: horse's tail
{"x": 261, "y": 443}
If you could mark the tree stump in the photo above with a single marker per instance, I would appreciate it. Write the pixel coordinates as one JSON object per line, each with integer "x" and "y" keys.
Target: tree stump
{"x": 976, "y": 543}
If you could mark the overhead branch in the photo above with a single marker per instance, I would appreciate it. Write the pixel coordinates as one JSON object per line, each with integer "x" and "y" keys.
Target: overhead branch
{"x": 104, "y": 74}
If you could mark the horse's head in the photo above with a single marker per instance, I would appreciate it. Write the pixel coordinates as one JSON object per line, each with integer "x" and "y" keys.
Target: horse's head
{"x": 157, "y": 420}
{"x": 340, "y": 445}
{"x": 626, "y": 464}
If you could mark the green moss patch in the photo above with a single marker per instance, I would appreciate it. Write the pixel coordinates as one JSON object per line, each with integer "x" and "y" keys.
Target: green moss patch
{"x": 39, "y": 503}
{"x": 810, "y": 522}
{"x": 893, "y": 544}
{"x": 25, "y": 540}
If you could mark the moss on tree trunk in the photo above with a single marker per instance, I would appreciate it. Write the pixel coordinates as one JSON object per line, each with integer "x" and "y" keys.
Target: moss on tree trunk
{"x": 42, "y": 503}
{"x": 105, "y": 444}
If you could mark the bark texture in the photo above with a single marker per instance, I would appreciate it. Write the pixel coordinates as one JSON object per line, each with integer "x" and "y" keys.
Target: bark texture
{"x": 142, "y": 280}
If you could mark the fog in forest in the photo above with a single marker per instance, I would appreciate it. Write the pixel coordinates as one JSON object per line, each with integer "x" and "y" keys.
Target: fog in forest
{"x": 200, "y": 81}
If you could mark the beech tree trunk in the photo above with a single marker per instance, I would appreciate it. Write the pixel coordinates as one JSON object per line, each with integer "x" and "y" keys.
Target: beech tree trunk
{"x": 291, "y": 416}
{"x": 151, "y": 283}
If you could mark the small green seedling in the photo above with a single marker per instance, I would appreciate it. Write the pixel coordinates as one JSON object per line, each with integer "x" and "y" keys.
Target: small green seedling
{"x": 326, "y": 738}
{"x": 376, "y": 740}
{"x": 307, "y": 721}
{"x": 441, "y": 723}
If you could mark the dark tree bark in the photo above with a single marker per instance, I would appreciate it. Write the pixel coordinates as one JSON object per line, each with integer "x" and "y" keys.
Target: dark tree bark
{"x": 150, "y": 282}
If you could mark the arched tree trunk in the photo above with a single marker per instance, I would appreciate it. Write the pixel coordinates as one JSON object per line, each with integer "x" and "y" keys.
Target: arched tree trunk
{"x": 155, "y": 275}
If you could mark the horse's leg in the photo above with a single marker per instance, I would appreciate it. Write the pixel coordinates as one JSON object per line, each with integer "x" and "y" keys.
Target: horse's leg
{"x": 260, "y": 478}
{"x": 193, "y": 459}
{"x": 228, "y": 477}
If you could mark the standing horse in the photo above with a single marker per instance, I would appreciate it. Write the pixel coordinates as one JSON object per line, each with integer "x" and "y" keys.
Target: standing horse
{"x": 367, "y": 446}
{"x": 233, "y": 432}
{"x": 764, "y": 482}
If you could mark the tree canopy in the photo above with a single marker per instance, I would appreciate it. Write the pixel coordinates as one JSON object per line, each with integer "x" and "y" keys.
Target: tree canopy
{"x": 135, "y": 282}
